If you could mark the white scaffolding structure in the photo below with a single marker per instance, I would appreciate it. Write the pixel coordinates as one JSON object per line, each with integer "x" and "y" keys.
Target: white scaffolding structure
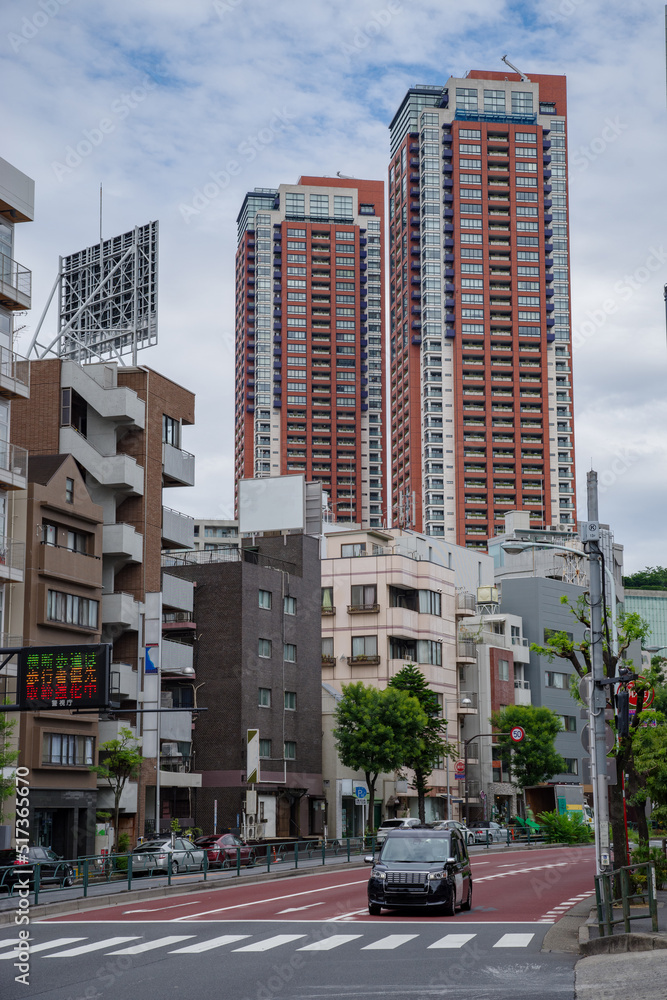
{"x": 107, "y": 297}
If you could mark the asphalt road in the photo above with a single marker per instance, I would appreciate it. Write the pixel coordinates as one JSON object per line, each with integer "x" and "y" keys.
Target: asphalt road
{"x": 310, "y": 937}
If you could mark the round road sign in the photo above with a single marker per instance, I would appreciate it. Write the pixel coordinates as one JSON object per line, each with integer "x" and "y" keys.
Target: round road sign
{"x": 517, "y": 734}
{"x": 649, "y": 697}
{"x": 460, "y": 767}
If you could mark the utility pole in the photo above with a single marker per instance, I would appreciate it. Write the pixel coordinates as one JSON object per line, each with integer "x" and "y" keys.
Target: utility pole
{"x": 598, "y": 693}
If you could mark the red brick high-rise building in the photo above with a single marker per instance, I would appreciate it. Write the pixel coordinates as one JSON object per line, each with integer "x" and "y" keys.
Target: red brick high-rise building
{"x": 481, "y": 377}
{"x": 310, "y": 340}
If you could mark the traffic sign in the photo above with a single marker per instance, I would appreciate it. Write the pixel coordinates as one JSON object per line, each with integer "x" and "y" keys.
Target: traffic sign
{"x": 360, "y": 792}
{"x": 610, "y": 738}
{"x": 517, "y": 734}
{"x": 649, "y": 697}
{"x": 460, "y": 767}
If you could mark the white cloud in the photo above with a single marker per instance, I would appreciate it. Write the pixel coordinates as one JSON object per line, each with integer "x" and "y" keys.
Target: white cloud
{"x": 336, "y": 72}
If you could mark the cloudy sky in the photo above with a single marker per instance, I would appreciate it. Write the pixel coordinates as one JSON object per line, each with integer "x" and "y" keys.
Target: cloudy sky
{"x": 191, "y": 88}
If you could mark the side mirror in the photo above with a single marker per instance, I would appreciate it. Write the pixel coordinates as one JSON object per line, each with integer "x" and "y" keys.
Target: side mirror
{"x": 369, "y": 859}
{"x": 451, "y": 861}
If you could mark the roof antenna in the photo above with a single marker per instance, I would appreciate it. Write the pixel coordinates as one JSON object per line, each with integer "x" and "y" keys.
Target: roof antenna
{"x": 524, "y": 78}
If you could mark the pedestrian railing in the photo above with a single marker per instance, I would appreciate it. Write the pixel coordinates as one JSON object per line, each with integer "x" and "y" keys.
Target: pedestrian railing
{"x": 617, "y": 890}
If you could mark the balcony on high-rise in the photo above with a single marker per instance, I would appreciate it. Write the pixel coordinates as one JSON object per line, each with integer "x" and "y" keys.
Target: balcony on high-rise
{"x": 15, "y": 284}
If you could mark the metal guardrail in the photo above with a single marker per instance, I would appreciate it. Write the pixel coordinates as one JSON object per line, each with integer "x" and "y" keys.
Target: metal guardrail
{"x": 606, "y": 902}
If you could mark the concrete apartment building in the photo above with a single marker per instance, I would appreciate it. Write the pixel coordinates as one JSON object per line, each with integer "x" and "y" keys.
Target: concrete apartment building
{"x": 59, "y": 604}
{"x": 257, "y": 663}
{"x": 390, "y": 598}
{"x": 310, "y": 340}
{"x": 212, "y": 533}
{"x": 480, "y": 351}
{"x": 123, "y": 427}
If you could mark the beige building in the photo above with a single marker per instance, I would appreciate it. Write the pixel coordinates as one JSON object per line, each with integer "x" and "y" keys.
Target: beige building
{"x": 390, "y": 598}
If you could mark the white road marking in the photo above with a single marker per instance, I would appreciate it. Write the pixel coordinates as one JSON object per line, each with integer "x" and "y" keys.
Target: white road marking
{"x": 514, "y": 941}
{"x": 330, "y": 943}
{"x": 217, "y": 942}
{"x": 272, "y": 942}
{"x": 95, "y": 946}
{"x": 452, "y": 941}
{"x": 34, "y": 948}
{"x": 390, "y": 942}
{"x": 348, "y": 916}
{"x": 159, "y": 909}
{"x": 297, "y": 909}
{"x": 138, "y": 949}
{"x": 274, "y": 899}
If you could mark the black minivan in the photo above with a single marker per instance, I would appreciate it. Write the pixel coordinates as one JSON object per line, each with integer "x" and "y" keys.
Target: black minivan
{"x": 421, "y": 868}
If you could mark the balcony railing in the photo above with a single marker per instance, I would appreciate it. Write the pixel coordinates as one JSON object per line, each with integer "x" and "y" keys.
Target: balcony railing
{"x": 466, "y": 602}
{"x": 13, "y": 465}
{"x": 181, "y": 764}
{"x": 328, "y": 661}
{"x": 466, "y": 649}
{"x": 14, "y": 369}
{"x": 15, "y": 283}
{"x": 363, "y": 609}
{"x": 362, "y": 661}
{"x": 328, "y": 611}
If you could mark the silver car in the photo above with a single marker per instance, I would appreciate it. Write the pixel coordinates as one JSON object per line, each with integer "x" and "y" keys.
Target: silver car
{"x": 489, "y": 832}
{"x": 153, "y": 855}
{"x": 394, "y": 824}
{"x": 453, "y": 824}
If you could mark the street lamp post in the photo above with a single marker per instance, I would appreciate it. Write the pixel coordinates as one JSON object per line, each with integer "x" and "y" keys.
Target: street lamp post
{"x": 464, "y": 703}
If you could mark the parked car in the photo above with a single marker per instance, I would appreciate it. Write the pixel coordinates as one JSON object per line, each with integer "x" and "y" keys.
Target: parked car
{"x": 421, "y": 868}
{"x": 153, "y": 855}
{"x": 453, "y": 824}
{"x": 224, "y": 849}
{"x": 15, "y": 865}
{"x": 393, "y": 824}
{"x": 496, "y": 833}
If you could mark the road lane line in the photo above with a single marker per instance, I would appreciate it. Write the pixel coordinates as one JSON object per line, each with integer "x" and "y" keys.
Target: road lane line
{"x": 216, "y": 942}
{"x": 335, "y": 941}
{"x": 41, "y": 947}
{"x": 297, "y": 909}
{"x": 272, "y": 942}
{"x": 453, "y": 941}
{"x": 95, "y": 946}
{"x": 514, "y": 941}
{"x": 390, "y": 942}
{"x": 159, "y": 909}
{"x": 273, "y": 899}
{"x": 138, "y": 949}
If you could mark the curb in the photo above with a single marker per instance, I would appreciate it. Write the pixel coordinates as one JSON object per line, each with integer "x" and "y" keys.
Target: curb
{"x": 619, "y": 943}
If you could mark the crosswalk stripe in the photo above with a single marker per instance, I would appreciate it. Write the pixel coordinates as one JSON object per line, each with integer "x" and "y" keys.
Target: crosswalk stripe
{"x": 9, "y": 942}
{"x": 95, "y": 946}
{"x": 387, "y": 943}
{"x": 452, "y": 941}
{"x": 34, "y": 948}
{"x": 330, "y": 943}
{"x": 272, "y": 942}
{"x": 218, "y": 942}
{"x": 514, "y": 941}
{"x": 138, "y": 949}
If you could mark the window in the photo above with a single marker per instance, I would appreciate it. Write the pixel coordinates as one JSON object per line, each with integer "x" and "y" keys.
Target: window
{"x": 289, "y": 652}
{"x": 49, "y": 534}
{"x": 77, "y": 541}
{"x": 290, "y": 701}
{"x": 327, "y": 598}
{"x": 171, "y": 431}
{"x": 265, "y": 648}
{"x": 503, "y": 670}
{"x": 69, "y": 609}
{"x": 569, "y": 723}
{"x": 289, "y": 605}
{"x": 418, "y": 651}
{"x": 295, "y": 204}
{"x": 264, "y": 697}
{"x": 554, "y": 679}
{"x": 364, "y": 646}
{"x": 429, "y": 602}
{"x": 265, "y": 749}
{"x": 522, "y": 102}
{"x": 69, "y": 491}
{"x": 265, "y": 599}
{"x": 68, "y": 750}
{"x": 466, "y": 99}
{"x": 319, "y": 205}
{"x": 571, "y": 765}
{"x": 327, "y": 646}
{"x": 356, "y": 549}
{"x": 364, "y": 596}
{"x": 494, "y": 101}
{"x": 343, "y": 210}
{"x": 290, "y": 750}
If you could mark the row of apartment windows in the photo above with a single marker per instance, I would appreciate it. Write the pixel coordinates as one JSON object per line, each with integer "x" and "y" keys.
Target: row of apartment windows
{"x": 69, "y": 609}
{"x": 365, "y": 647}
{"x": 289, "y": 750}
{"x": 265, "y": 650}
{"x": 74, "y": 541}
{"x": 68, "y": 750}
{"x": 264, "y": 699}
{"x": 428, "y": 602}
{"x": 266, "y": 602}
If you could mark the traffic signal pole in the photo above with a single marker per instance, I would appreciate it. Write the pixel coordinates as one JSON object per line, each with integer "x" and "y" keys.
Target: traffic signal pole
{"x": 598, "y": 693}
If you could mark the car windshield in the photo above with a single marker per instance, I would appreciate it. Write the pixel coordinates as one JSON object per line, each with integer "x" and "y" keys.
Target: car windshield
{"x": 206, "y": 841}
{"x": 153, "y": 845}
{"x": 391, "y": 822}
{"x": 421, "y": 850}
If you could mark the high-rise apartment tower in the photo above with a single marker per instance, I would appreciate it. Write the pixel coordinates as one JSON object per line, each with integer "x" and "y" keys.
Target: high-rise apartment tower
{"x": 481, "y": 378}
{"x": 309, "y": 340}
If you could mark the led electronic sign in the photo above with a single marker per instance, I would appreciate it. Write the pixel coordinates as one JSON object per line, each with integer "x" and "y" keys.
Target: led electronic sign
{"x": 63, "y": 677}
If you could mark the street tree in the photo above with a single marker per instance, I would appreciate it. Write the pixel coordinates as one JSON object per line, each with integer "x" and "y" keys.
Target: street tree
{"x": 430, "y": 745}
{"x": 534, "y": 759}
{"x": 120, "y": 760}
{"x": 375, "y": 731}
{"x": 630, "y": 628}
{"x": 9, "y": 754}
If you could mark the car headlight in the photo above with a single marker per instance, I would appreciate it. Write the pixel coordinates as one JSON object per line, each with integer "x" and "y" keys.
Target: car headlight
{"x": 381, "y": 875}
{"x": 437, "y": 876}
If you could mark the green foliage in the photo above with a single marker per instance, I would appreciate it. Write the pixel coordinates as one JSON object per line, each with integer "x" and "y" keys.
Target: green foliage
{"x": 123, "y": 843}
{"x": 120, "y": 760}
{"x": 175, "y": 826}
{"x": 564, "y": 828}
{"x": 375, "y": 730}
{"x": 8, "y": 757}
{"x": 649, "y": 756}
{"x": 534, "y": 759}
{"x": 430, "y": 744}
{"x": 643, "y": 853}
{"x": 651, "y": 578}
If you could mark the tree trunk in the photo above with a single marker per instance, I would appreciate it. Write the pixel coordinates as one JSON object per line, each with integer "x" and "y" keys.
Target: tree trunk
{"x": 117, "y": 794}
{"x": 420, "y": 785}
{"x": 616, "y": 811}
{"x": 370, "y": 781}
